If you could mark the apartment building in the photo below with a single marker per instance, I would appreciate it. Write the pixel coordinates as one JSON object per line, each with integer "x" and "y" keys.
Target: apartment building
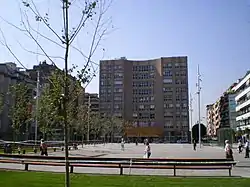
{"x": 151, "y": 94}
{"x": 242, "y": 99}
{"x": 93, "y": 100}
{"x": 211, "y": 130}
{"x": 221, "y": 116}
{"x": 10, "y": 75}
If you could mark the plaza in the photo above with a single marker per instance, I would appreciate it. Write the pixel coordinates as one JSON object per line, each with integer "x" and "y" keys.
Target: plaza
{"x": 242, "y": 169}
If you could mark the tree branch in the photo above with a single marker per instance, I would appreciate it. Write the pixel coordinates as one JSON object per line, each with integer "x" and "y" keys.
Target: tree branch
{"x": 37, "y": 53}
{"x": 40, "y": 18}
{"x": 34, "y": 39}
{"x": 4, "y": 43}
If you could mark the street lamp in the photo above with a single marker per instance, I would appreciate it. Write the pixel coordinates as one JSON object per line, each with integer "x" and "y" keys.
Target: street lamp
{"x": 199, "y": 104}
{"x": 88, "y": 118}
{"x": 191, "y": 115}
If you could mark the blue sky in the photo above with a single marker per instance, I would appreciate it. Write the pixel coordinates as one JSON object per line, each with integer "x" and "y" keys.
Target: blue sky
{"x": 214, "y": 34}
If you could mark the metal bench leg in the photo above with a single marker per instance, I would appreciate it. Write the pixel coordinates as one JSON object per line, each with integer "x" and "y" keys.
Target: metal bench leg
{"x": 174, "y": 171}
{"x": 71, "y": 169}
{"x": 26, "y": 167}
{"x": 121, "y": 170}
{"x": 230, "y": 172}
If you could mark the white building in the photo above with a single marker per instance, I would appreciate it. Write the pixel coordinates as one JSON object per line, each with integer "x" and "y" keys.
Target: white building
{"x": 242, "y": 99}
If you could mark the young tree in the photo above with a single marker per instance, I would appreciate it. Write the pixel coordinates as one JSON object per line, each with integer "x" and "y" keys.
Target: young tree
{"x": 96, "y": 124}
{"x": 81, "y": 121}
{"x": 112, "y": 126}
{"x": 21, "y": 110}
{"x": 91, "y": 12}
{"x": 50, "y": 114}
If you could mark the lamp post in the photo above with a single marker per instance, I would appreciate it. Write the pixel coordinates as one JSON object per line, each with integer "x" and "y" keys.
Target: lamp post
{"x": 37, "y": 103}
{"x": 199, "y": 104}
{"x": 88, "y": 119}
{"x": 191, "y": 115}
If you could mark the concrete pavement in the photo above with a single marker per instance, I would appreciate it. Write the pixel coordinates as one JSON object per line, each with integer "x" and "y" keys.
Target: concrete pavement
{"x": 158, "y": 151}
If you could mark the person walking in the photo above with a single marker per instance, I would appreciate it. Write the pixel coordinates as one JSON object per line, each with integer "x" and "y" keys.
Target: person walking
{"x": 240, "y": 146}
{"x": 147, "y": 152}
{"x": 247, "y": 149}
{"x": 122, "y": 144}
{"x": 194, "y": 144}
{"x": 228, "y": 150}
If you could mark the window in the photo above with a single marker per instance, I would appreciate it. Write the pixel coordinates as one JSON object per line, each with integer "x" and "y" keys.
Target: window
{"x": 117, "y": 106}
{"x": 119, "y": 90}
{"x": 118, "y": 114}
{"x": 168, "y": 81}
{"x": 167, "y": 73}
{"x": 178, "y": 81}
{"x": 118, "y": 75}
{"x": 168, "y": 97}
{"x": 152, "y": 106}
{"x": 168, "y": 105}
{"x": 134, "y": 114}
{"x": 118, "y": 82}
{"x": 178, "y": 97}
{"x": 184, "y": 113}
{"x": 103, "y": 90}
{"x": 118, "y": 98}
{"x": 167, "y": 89}
{"x": 152, "y": 116}
{"x": 183, "y": 81}
{"x": 141, "y": 106}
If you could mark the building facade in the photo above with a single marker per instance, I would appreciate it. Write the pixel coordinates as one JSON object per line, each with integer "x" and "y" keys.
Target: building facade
{"x": 242, "y": 99}
{"x": 211, "y": 130}
{"x": 10, "y": 75}
{"x": 93, "y": 100}
{"x": 151, "y": 94}
{"x": 222, "y": 115}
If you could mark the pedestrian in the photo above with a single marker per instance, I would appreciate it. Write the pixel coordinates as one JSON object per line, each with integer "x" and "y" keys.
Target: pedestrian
{"x": 228, "y": 151}
{"x": 147, "y": 152}
{"x": 194, "y": 145}
{"x": 19, "y": 149}
{"x": 122, "y": 144}
{"x": 43, "y": 148}
{"x": 240, "y": 146}
{"x": 247, "y": 149}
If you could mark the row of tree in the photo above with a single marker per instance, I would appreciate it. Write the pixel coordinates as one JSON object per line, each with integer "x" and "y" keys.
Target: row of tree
{"x": 49, "y": 112}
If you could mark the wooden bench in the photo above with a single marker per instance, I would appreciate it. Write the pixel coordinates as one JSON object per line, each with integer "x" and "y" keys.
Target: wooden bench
{"x": 175, "y": 167}
{"x": 136, "y": 163}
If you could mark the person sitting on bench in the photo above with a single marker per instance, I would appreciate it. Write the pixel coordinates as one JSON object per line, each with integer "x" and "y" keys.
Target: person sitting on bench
{"x": 43, "y": 148}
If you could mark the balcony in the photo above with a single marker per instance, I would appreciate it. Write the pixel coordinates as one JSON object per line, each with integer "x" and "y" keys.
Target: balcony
{"x": 243, "y": 117}
{"x": 242, "y": 105}
{"x": 242, "y": 93}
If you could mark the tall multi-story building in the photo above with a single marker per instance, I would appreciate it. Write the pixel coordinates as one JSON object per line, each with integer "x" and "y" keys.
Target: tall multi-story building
{"x": 10, "y": 75}
{"x": 221, "y": 116}
{"x": 211, "y": 130}
{"x": 242, "y": 99}
{"x": 151, "y": 94}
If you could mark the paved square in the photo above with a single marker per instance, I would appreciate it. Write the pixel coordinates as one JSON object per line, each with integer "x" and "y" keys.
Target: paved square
{"x": 158, "y": 151}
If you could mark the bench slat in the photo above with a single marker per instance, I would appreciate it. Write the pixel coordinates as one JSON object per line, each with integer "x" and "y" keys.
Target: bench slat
{"x": 96, "y": 165}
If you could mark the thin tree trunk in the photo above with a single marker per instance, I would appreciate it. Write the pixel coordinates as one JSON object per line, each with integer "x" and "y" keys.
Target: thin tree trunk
{"x": 66, "y": 91}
